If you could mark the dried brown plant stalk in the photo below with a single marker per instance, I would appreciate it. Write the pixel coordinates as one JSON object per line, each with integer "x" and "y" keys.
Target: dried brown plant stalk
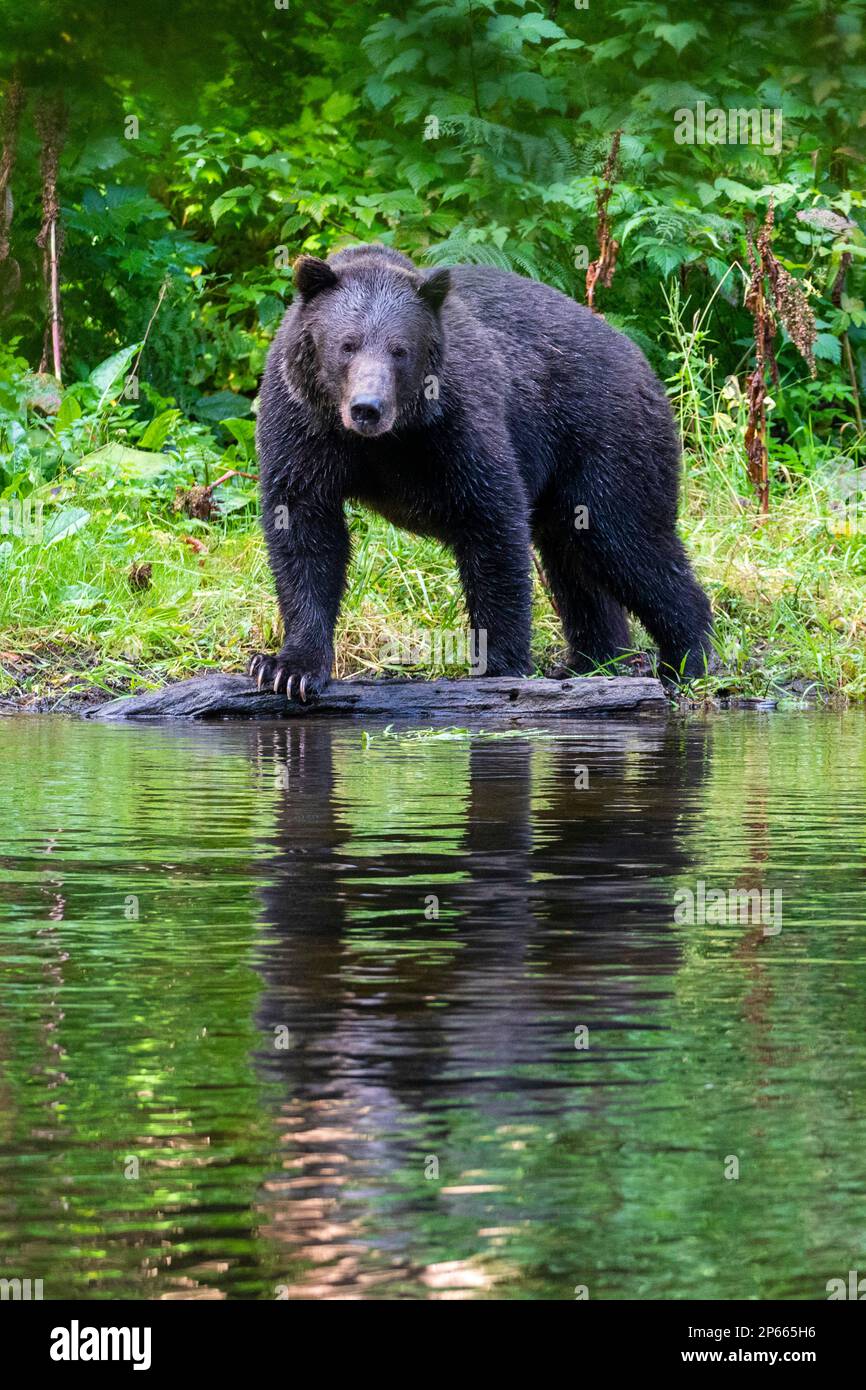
{"x": 772, "y": 295}
{"x": 10, "y": 119}
{"x": 601, "y": 270}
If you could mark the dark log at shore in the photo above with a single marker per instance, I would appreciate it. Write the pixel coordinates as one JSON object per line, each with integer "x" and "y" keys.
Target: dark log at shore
{"x": 221, "y": 696}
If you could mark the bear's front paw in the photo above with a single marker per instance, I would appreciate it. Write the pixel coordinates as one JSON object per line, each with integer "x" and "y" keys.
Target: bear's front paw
{"x": 296, "y": 678}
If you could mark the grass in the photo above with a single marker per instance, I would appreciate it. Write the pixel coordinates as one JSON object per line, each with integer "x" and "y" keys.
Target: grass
{"x": 787, "y": 595}
{"x": 787, "y": 590}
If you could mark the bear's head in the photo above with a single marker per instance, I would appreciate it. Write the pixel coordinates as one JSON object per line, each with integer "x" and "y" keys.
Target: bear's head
{"x": 370, "y": 325}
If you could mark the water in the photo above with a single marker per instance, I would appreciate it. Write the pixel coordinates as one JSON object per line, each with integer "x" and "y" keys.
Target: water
{"x": 283, "y": 1014}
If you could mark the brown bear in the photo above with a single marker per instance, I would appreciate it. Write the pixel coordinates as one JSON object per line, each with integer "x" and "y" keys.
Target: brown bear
{"x": 489, "y": 411}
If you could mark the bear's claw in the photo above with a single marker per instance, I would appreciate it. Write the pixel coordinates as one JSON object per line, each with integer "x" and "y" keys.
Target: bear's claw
{"x": 277, "y": 673}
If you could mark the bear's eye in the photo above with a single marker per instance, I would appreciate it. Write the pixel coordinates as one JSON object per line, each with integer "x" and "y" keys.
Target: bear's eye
{"x": 350, "y": 346}
{"x": 398, "y": 352}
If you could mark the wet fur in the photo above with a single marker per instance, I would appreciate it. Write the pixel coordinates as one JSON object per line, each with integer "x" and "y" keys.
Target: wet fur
{"x": 542, "y": 408}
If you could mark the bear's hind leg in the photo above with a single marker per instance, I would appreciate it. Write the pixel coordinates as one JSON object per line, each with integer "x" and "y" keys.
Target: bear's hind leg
{"x": 594, "y": 624}
{"x": 651, "y": 576}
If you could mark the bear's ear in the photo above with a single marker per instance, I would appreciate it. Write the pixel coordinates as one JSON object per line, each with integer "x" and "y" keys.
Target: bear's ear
{"x": 312, "y": 276}
{"x": 434, "y": 286}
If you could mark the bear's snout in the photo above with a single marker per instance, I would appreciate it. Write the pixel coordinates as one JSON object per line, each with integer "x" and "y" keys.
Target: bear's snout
{"x": 366, "y": 411}
{"x": 369, "y": 397}
{"x": 368, "y": 414}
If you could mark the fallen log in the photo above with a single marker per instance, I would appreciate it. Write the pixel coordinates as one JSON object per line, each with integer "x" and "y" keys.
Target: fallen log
{"x": 221, "y": 696}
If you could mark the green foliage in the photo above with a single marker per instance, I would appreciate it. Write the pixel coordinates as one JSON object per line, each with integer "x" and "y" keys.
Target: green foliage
{"x": 203, "y": 152}
{"x": 476, "y": 131}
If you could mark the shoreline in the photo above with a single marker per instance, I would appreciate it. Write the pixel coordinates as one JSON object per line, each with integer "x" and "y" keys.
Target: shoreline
{"x": 81, "y": 701}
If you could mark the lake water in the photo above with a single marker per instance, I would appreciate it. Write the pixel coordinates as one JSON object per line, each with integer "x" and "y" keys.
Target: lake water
{"x": 287, "y": 1011}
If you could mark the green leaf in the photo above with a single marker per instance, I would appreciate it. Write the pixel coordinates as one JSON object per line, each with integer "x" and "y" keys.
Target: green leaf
{"x": 158, "y": 430}
{"x": 404, "y": 62}
{"x": 226, "y": 202}
{"x": 611, "y": 48}
{"x": 244, "y": 432}
{"x": 379, "y": 93}
{"x": 737, "y": 192}
{"x": 64, "y": 523}
{"x": 420, "y": 173}
{"x": 221, "y": 406}
{"x": 129, "y": 463}
{"x": 338, "y": 106}
{"x": 779, "y": 192}
{"x": 542, "y": 28}
{"x": 235, "y": 501}
{"x": 269, "y": 309}
{"x": 828, "y": 348}
{"x": 106, "y": 374}
{"x": 102, "y": 154}
{"x": 69, "y": 410}
{"x": 564, "y": 44}
{"x": 679, "y": 36}
{"x": 528, "y": 86}
{"x": 668, "y": 258}
{"x": 81, "y": 595}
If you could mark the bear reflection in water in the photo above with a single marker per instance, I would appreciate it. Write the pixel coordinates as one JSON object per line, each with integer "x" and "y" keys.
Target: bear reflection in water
{"x": 437, "y": 928}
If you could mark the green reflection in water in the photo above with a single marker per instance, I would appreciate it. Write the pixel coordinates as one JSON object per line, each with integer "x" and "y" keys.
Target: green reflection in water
{"x": 321, "y": 995}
